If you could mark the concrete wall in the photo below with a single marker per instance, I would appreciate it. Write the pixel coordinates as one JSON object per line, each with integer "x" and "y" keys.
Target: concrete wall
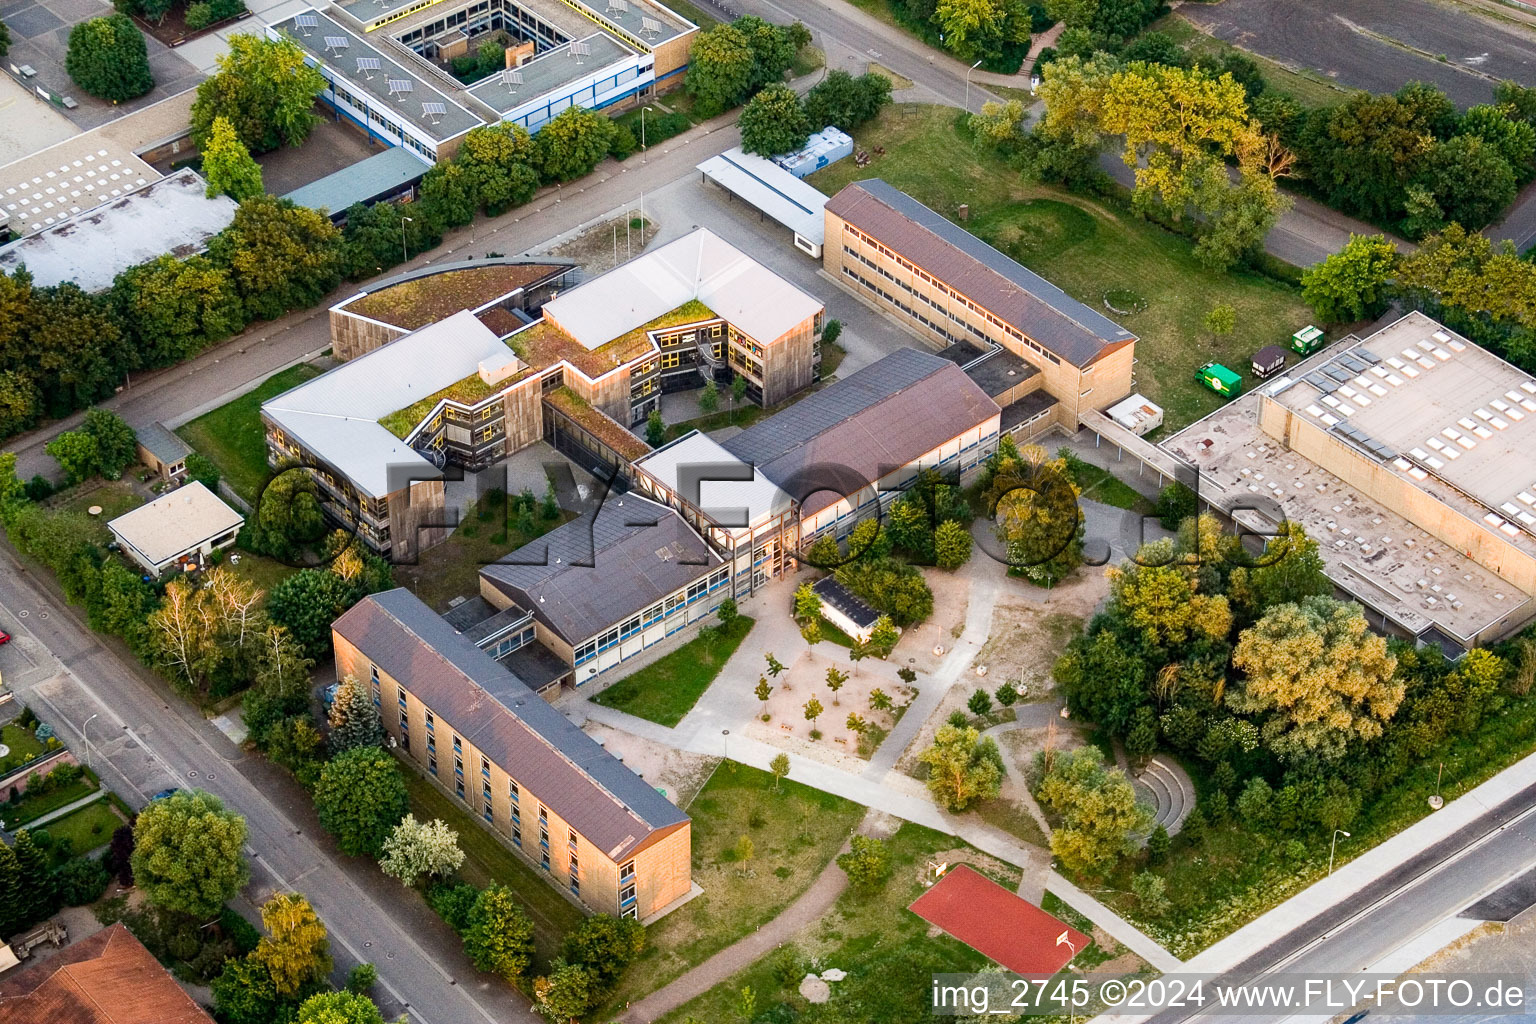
{"x": 662, "y": 870}
{"x": 1380, "y": 483}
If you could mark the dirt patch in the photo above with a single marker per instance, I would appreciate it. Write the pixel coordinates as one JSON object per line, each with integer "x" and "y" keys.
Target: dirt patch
{"x": 605, "y": 245}
{"x": 805, "y": 678}
{"x": 951, "y": 601}
{"x": 1028, "y": 635}
{"x": 679, "y": 773}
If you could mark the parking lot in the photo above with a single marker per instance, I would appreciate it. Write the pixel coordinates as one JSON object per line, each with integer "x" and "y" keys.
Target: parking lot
{"x": 1378, "y": 45}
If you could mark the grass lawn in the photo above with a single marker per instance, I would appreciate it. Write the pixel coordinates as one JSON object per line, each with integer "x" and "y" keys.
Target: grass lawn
{"x": 885, "y": 948}
{"x": 1014, "y": 819}
{"x": 693, "y": 13}
{"x": 32, "y": 808}
{"x": 743, "y": 416}
{"x": 832, "y": 635}
{"x": 233, "y": 437}
{"x": 24, "y": 745}
{"x": 1107, "y": 489}
{"x": 1085, "y": 247}
{"x": 115, "y": 497}
{"x": 487, "y": 860}
{"x": 796, "y": 831}
{"x": 452, "y": 568}
{"x": 262, "y": 571}
{"x": 1307, "y": 86}
{"x": 668, "y": 688}
{"x": 88, "y": 828}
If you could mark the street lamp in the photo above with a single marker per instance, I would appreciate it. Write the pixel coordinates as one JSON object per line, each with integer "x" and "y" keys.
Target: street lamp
{"x": 968, "y": 85}
{"x": 86, "y": 739}
{"x": 1336, "y": 833}
{"x": 727, "y": 741}
{"x": 642, "y": 133}
{"x": 405, "y": 252}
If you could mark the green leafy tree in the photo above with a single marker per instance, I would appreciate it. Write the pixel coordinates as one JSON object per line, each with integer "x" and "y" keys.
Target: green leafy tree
{"x": 572, "y": 143}
{"x": 1151, "y": 894}
{"x": 279, "y": 256}
{"x": 500, "y": 160}
{"x": 307, "y": 602}
{"x": 5, "y": 39}
{"x": 360, "y": 797}
{"x": 567, "y": 992}
{"x": 867, "y": 864}
{"x": 813, "y": 710}
{"x": 891, "y": 587}
{"x": 1351, "y": 283}
{"x": 720, "y": 69}
{"x": 338, "y": 1008}
{"x": 1318, "y": 675}
{"x": 296, "y": 950}
{"x": 1034, "y": 503}
{"x": 1512, "y": 137}
{"x": 779, "y": 766}
{"x": 354, "y": 720}
{"x": 1471, "y": 181}
{"x": 20, "y": 402}
{"x": 38, "y": 891}
{"x": 108, "y": 59}
{"x": 807, "y": 604}
{"x": 773, "y": 49}
{"x": 265, "y": 89}
{"x": 738, "y": 390}
{"x": 846, "y": 102}
{"x": 244, "y": 994}
{"x": 116, "y": 444}
{"x": 655, "y": 429}
{"x": 174, "y": 308}
{"x": 606, "y": 945}
{"x": 187, "y": 853}
{"x": 951, "y": 544}
{"x": 835, "y": 680}
{"x": 709, "y": 397}
{"x": 499, "y": 936}
{"x": 980, "y": 703}
{"x": 12, "y": 903}
{"x": 449, "y": 195}
{"x": 775, "y": 666}
{"x": 1100, "y": 817}
{"x": 773, "y": 122}
{"x": 76, "y": 453}
{"x": 289, "y": 518}
{"x": 883, "y": 635}
{"x": 1000, "y": 125}
{"x": 1007, "y": 694}
{"x": 963, "y": 767}
{"x": 1221, "y": 320}
{"x": 77, "y": 348}
{"x": 227, "y": 164}
{"x": 417, "y": 848}
{"x": 970, "y": 27}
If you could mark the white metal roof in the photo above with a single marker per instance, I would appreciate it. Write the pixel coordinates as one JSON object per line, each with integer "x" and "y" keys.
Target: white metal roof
{"x": 724, "y": 501}
{"x": 336, "y": 415}
{"x": 772, "y": 189}
{"x": 700, "y": 265}
{"x": 176, "y": 523}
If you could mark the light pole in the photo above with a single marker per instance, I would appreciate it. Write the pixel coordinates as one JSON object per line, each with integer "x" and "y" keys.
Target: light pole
{"x": 968, "y": 85}
{"x": 642, "y": 133}
{"x": 405, "y": 252}
{"x": 86, "y": 739}
{"x": 1336, "y": 833}
{"x": 727, "y": 741}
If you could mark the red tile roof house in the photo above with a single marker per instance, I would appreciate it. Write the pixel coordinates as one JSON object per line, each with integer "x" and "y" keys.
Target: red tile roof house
{"x": 108, "y": 978}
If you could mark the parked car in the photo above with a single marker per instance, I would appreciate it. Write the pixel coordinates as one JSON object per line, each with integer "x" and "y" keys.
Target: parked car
{"x": 165, "y": 793}
{"x": 5, "y": 637}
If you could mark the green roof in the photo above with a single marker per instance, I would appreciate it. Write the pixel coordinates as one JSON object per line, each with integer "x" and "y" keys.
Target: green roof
{"x": 469, "y": 391}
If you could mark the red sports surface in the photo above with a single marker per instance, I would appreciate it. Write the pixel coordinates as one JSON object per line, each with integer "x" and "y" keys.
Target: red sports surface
{"x": 999, "y": 924}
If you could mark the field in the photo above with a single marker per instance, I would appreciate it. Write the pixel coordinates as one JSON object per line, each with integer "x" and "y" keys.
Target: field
{"x": 1310, "y": 88}
{"x": 796, "y": 831}
{"x": 668, "y": 688}
{"x": 1086, "y": 247}
{"x": 232, "y": 435}
{"x": 487, "y": 860}
{"x": 888, "y": 952}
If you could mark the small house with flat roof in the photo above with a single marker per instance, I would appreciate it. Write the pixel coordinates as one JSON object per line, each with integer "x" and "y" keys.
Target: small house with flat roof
{"x": 178, "y": 530}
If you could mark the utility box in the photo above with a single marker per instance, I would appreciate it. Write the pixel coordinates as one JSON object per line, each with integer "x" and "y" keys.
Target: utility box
{"x": 1136, "y": 414}
{"x": 1220, "y": 380}
{"x": 1307, "y": 340}
{"x": 1268, "y": 360}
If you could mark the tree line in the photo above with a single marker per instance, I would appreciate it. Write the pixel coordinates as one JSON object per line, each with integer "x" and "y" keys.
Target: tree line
{"x": 777, "y": 121}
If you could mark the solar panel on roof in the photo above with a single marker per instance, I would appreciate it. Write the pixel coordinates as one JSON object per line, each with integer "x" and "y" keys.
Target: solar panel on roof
{"x": 1368, "y": 355}
{"x": 306, "y": 21}
{"x": 337, "y": 43}
{"x": 511, "y": 77}
{"x": 433, "y": 110}
{"x": 618, "y": 6}
{"x": 400, "y": 86}
{"x": 650, "y": 26}
{"x": 580, "y": 49}
{"x": 367, "y": 64}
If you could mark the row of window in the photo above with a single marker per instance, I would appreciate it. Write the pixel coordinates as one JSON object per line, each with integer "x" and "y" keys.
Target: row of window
{"x": 695, "y": 591}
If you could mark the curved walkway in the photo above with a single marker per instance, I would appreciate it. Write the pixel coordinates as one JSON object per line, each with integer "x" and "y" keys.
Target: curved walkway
{"x": 813, "y": 903}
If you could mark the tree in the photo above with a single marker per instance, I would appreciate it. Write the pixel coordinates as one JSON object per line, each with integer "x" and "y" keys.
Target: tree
{"x": 1000, "y": 125}
{"x": 1007, "y": 694}
{"x": 709, "y": 397}
{"x": 1319, "y": 675}
{"x": 720, "y": 69}
{"x": 568, "y": 991}
{"x": 20, "y": 402}
{"x": 1351, "y": 283}
{"x": 813, "y": 711}
{"x": 738, "y": 391}
{"x": 727, "y": 613}
{"x": 811, "y": 632}
{"x": 339, "y": 1008}
{"x": 501, "y": 163}
{"x": 354, "y": 719}
{"x": 5, "y": 39}
{"x": 855, "y": 723}
{"x": 763, "y": 691}
{"x": 867, "y": 864}
{"x": 38, "y": 893}
{"x": 359, "y": 798}
{"x": 1033, "y": 500}
{"x": 845, "y": 102}
{"x": 499, "y": 937}
{"x": 1513, "y": 138}
{"x": 448, "y": 195}
{"x": 655, "y": 429}
{"x": 362, "y": 977}
{"x": 607, "y": 945}
{"x": 835, "y": 681}
{"x": 265, "y": 89}
{"x": 1098, "y": 809}
{"x": 1221, "y": 320}
{"x": 417, "y": 848}
{"x": 296, "y": 951}
{"x": 227, "y": 164}
{"x": 980, "y": 703}
{"x": 279, "y": 256}
{"x": 11, "y": 903}
{"x": 963, "y": 767}
{"x": 779, "y": 766}
{"x": 107, "y": 58}
{"x": 775, "y": 666}
{"x": 77, "y": 350}
{"x": 773, "y": 122}
{"x": 1151, "y": 894}
{"x": 969, "y": 26}
{"x": 571, "y": 144}
{"x": 1290, "y": 570}
{"x": 174, "y": 308}
{"x": 307, "y": 602}
{"x": 549, "y": 508}
{"x": 951, "y": 544}
{"x": 76, "y": 453}
{"x": 807, "y": 604}
{"x": 243, "y": 993}
{"x": 1471, "y": 181}
{"x": 187, "y": 853}
{"x": 883, "y": 635}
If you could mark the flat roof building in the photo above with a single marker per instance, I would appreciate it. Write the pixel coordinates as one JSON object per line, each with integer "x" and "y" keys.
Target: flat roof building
{"x": 954, "y": 289}
{"x": 181, "y": 528}
{"x": 549, "y": 791}
{"x": 172, "y": 215}
{"x": 1411, "y": 457}
{"x": 775, "y": 191}
{"x": 383, "y": 176}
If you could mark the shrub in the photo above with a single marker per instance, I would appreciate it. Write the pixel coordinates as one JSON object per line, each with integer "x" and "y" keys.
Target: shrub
{"x": 80, "y": 881}
{"x": 453, "y": 902}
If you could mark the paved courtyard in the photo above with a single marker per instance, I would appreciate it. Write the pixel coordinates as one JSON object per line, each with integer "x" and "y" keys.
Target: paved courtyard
{"x": 40, "y": 38}
{"x": 28, "y": 123}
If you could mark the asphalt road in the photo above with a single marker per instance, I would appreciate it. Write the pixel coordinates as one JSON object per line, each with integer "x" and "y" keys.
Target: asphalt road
{"x": 143, "y": 739}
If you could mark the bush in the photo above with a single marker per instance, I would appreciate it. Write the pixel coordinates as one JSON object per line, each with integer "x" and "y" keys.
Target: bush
{"x": 80, "y": 881}
{"x": 453, "y": 902}
{"x": 199, "y": 15}
{"x": 889, "y": 586}
{"x": 108, "y": 59}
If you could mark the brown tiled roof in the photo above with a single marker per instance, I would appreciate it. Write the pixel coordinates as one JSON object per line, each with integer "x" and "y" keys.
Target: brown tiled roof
{"x": 109, "y": 978}
{"x": 1012, "y": 292}
{"x": 617, "y": 811}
